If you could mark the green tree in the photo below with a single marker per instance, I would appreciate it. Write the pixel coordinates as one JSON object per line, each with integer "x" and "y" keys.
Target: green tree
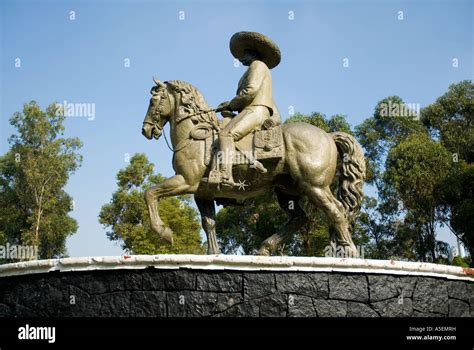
{"x": 450, "y": 120}
{"x": 417, "y": 168}
{"x": 387, "y": 136}
{"x": 33, "y": 205}
{"x": 126, "y": 216}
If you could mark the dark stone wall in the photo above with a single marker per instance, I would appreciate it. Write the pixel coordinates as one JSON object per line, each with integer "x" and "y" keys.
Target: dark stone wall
{"x": 196, "y": 293}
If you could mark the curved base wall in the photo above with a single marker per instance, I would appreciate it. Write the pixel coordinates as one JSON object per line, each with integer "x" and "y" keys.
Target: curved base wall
{"x": 226, "y": 286}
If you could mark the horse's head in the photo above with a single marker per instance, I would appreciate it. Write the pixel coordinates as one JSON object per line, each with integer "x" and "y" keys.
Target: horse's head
{"x": 159, "y": 111}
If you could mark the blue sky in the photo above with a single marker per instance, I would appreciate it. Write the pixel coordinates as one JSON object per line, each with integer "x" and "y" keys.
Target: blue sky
{"x": 83, "y": 61}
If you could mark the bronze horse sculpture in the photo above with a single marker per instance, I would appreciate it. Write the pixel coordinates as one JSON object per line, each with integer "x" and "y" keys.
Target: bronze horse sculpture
{"x": 308, "y": 167}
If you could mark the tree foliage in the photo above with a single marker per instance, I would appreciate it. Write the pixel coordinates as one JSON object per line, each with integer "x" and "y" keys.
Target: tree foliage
{"x": 126, "y": 215}
{"x": 334, "y": 123}
{"x": 417, "y": 169}
{"x": 384, "y": 130}
{"x": 421, "y": 173}
{"x": 459, "y": 195}
{"x": 34, "y": 207}
{"x": 450, "y": 120}
{"x": 401, "y": 154}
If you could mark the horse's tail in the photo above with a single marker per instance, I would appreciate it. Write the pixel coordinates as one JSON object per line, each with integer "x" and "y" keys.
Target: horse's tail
{"x": 351, "y": 174}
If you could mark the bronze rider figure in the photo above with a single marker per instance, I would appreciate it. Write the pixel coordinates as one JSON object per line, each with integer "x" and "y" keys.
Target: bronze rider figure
{"x": 254, "y": 99}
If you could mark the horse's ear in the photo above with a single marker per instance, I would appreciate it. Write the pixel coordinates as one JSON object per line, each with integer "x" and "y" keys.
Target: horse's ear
{"x": 158, "y": 83}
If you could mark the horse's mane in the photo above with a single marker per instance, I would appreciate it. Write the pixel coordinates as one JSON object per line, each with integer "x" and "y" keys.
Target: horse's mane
{"x": 192, "y": 101}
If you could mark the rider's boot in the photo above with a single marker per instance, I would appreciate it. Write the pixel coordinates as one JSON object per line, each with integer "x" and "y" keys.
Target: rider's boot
{"x": 227, "y": 149}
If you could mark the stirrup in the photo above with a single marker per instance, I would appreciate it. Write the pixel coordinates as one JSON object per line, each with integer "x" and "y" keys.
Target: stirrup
{"x": 227, "y": 181}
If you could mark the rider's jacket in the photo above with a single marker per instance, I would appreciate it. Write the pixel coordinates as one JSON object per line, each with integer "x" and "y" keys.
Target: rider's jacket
{"x": 255, "y": 89}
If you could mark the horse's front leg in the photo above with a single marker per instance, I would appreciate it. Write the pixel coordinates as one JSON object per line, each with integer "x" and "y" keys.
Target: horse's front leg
{"x": 173, "y": 186}
{"x": 208, "y": 219}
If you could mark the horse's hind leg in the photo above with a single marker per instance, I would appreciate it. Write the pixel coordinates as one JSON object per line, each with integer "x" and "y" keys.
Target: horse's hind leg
{"x": 324, "y": 199}
{"x": 298, "y": 218}
{"x": 208, "y": 219}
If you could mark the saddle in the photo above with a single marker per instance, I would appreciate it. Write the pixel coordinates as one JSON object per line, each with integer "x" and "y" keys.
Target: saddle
{"x": 268, "y": 141}
{"x": 263, "y": 145}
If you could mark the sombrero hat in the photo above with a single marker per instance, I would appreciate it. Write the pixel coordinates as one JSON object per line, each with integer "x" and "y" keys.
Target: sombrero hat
{"x": 267, "y": 50}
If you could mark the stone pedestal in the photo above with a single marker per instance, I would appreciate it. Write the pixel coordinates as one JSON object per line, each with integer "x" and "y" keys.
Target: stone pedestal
{"x": 233, "y": 286}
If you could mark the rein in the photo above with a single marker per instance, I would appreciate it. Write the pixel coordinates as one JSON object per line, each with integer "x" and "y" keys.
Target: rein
{"x": 168, "y": 144}
{"x": 179, "y": 120}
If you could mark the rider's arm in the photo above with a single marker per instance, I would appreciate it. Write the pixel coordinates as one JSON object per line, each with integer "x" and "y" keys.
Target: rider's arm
{"x": 249, "y": 91}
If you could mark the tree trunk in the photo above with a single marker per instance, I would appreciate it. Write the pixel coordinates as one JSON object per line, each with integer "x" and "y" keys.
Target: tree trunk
{"x": 38, "y": 217}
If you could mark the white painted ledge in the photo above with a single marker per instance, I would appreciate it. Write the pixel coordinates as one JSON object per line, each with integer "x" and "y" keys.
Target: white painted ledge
{"x": 237, "y": 262}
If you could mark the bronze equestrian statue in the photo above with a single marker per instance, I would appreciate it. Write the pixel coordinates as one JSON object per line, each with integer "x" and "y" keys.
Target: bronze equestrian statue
{"x": 245, "y": 155}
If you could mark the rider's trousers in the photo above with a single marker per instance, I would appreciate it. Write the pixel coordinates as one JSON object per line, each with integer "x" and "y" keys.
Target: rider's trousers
{"x": 246, "y": 121}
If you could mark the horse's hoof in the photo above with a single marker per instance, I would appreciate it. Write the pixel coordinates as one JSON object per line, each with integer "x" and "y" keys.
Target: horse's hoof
{"x": 167, "y": 235}
{"x": 354, "y": 253}
{"x": 213, "y": 251}
{"x": 264, "y": 251}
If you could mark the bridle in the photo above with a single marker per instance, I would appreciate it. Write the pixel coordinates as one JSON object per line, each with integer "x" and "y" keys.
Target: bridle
{"x": 156, "y": 114}
{"x": 159, "y": 125}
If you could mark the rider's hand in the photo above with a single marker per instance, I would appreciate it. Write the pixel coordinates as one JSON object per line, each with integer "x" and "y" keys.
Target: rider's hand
{"x": 224, "y": 106}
